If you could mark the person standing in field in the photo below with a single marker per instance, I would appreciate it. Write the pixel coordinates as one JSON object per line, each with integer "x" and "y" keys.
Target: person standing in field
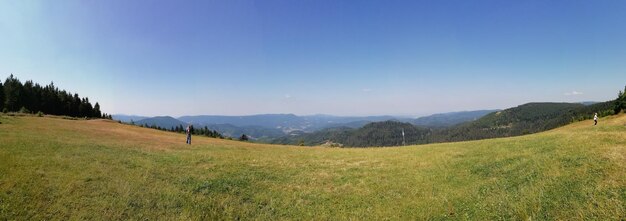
{"x": 188, "y": 134}
{"x": 595, "y": 119}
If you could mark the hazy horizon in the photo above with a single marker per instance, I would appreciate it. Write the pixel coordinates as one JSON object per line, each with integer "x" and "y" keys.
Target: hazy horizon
{"x": 334, "y": 115}
{"x": 342, "y": 58}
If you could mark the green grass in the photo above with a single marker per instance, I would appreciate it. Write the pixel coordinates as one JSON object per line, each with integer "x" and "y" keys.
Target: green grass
{"x": 60, "y": 169}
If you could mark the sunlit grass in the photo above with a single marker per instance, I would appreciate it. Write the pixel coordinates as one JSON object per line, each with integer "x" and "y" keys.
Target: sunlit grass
{"x": 54, "y": 168}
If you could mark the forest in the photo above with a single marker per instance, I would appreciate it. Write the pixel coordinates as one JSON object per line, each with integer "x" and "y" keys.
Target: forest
{"x": 29, "y": 97}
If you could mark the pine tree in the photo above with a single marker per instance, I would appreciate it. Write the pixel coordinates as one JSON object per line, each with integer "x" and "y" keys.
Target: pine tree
{"x": 75, "y": 104}
{"x": 620, "y": 102}
{"x": 52, "y": 102}
{"x": 84, "y": 108}
{"x": 12, "y": 93}
{"x": 623, "y": 99}
{"x": 88, "y": 107}
{"x": 217, "y": 134}
{"x": 96, "y": 111}
{"x": 1, "y": 97}
{"x": 29, "y": 100}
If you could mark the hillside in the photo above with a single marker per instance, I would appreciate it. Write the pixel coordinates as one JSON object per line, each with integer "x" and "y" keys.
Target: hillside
{"x": 524, "y": 119}
{"x": 162, "y": 121}
{"x": 335, "y": 134}
{"x": 253, "y": 132}
{"x": 377, "y": 134}
{"x": 98, "y": 169}
{"x": 450, "y": 119}
{"x": 128, "y": 118}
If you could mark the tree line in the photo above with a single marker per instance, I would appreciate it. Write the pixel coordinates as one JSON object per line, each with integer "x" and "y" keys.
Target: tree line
{"x": 203, "y": 131}
{"x": 620, "y": 102}
{"x": 29, "y": 97}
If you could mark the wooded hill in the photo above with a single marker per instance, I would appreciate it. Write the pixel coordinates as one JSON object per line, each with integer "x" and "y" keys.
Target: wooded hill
{"x": 386, "y": 133}
{"x": 524, "y": 119}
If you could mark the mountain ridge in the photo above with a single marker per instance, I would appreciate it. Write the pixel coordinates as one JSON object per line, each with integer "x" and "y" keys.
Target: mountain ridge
{"x": 524, "y": 119}
{"x": 266, "y": 126}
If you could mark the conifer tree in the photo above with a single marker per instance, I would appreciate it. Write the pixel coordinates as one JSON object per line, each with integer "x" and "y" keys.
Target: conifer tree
{"x": 620, "y": 102}
{"x": 1, "y": 97}
{"x": 12, "y": 93}
{"x": 75, "y": 106}
{"x": 96, "y": 111}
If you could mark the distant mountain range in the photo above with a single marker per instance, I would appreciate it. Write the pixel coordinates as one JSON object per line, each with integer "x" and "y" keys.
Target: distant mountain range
{"x": 128, "y": 118}
{"x": 161, "y": 121}
{"x": 520, "y": 120}
{"x": 450, "y": 119}
{"x": 270, "y": 126}
{"x": 253, "y": 132}
{"x": 284, "y": 122}
{"x": 384, "y": 130}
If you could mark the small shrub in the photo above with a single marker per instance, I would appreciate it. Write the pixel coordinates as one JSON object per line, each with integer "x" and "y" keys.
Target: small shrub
{"x": 39, "y": 114}
{"x": 5, "y": 110}
{"x": 23, "y": 110}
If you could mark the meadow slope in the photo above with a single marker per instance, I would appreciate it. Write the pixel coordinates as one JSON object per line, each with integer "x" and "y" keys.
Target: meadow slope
{"x": 57, "y": 169}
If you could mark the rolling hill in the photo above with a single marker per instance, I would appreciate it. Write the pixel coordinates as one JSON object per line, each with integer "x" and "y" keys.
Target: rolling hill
{"x": 162, "y": 121}
{"x": 53, "y": 168}
{"x": 268, "y": 127}
{"x": 253, "y": 132}
{"x": 520, "y": 120}
{"x": 128, "y": 118}
{"x": 524, "y": 119}
{"x": 450, "y": 119}
{"x": 376, "y": 134}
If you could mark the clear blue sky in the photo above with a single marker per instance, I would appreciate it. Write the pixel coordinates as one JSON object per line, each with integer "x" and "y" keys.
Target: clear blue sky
{"x": 304, "y": 57}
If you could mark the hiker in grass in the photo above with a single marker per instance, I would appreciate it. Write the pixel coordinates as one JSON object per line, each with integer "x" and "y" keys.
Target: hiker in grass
{"x": 189, "y": 134}
{"x": 595, "y": 119}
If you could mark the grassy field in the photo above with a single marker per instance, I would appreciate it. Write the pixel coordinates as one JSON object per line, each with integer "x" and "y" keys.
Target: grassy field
{"x": 58, "y": 169}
